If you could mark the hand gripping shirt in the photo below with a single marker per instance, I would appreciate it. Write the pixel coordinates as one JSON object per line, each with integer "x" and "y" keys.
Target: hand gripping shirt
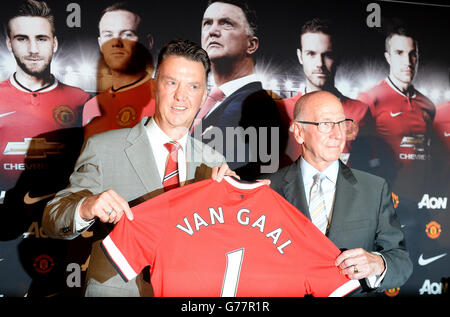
{"x": 226, "y": 239}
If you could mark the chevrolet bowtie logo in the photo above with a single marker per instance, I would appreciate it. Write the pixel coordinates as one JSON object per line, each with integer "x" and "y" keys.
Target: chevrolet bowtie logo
{"x": 33, "y": 148}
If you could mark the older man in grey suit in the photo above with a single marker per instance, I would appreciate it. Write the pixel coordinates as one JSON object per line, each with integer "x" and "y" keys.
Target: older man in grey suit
{"x": 119, "y": 166}
{"x": 353, "y": 208}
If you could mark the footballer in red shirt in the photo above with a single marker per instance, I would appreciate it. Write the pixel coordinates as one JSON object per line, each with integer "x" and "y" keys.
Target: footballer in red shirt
{"x": 403, "y": 116}
{"x": 319, "y": 59}
{"x": 40, "y": 139}
{"x": 129, "y": 99}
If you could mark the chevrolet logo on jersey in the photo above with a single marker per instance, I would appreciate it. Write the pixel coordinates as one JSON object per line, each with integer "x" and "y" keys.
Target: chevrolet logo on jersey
{"x": 33, "y": 148}
{"x": 416, "y": 141}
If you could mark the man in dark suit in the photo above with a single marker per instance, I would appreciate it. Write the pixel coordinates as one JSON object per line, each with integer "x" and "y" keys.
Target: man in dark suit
{"x": 119, "y": 166}
{"x": 353, "y": 208}
{"x": 239, "y": 119}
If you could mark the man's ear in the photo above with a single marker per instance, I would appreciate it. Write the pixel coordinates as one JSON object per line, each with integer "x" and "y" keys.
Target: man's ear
{"x": 150, "y": 41}
{"x": 99, "y": 44}
{"x": 253, "y": 44}
{"x": 8, "y": 43}
{"x": 298, "y": 132}
{"x": 299, "y": 56}
{"x": 55, "y": 44}
{"x": 387, "y": 56}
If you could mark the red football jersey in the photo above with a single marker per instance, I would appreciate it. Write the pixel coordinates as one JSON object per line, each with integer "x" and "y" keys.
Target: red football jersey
{"x": 353, "y": 109}
{"x": 441, "y": 123}
{"x": 402, "y": 122}
{"x": 29, "y": 125}
{"x": 226, "y": 239}
{"x": 115, "y": 110}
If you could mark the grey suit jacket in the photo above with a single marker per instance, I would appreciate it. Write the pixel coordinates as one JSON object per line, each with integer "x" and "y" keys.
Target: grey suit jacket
{"x": 121, "y": 160}
{"x": 363, "y": 216}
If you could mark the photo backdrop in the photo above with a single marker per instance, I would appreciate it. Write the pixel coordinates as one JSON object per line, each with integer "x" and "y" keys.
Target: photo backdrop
{"x": 420, "y": 195}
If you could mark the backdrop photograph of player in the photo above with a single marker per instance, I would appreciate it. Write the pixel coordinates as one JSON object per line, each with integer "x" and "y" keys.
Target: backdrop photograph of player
{"x": 91, "y": 91}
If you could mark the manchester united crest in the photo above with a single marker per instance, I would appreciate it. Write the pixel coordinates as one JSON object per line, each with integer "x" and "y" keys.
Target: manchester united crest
{"x": 433, "y": 230}
{"x": 126, "y": 116}
{"x": 64, "y": 116}
{"x": 43, "y": 264}
{"x": 395, "y": 200}
{"x": 392, "y": 292}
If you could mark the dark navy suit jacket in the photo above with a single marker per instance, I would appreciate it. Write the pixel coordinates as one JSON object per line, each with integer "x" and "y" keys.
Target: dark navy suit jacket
{"x": 249, "y": 106}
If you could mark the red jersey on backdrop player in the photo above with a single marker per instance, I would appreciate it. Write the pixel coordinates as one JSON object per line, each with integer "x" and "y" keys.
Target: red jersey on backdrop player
{"x": 441, "y": 123}
{"x": 403, "y": 122}
{"x": 353, "y": 109}
{"x": 116, "y": 109}
{"x": 226, "y": 239}
{"x": 25, "y": 115}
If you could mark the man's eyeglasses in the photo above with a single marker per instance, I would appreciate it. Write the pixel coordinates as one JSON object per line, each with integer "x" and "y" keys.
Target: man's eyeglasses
{"x": 326, "y": 127}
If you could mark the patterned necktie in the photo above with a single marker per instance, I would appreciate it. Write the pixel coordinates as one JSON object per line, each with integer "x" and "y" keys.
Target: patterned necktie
{"x": 317, "y": 207}
{"x": 171, "y": 176}
{"x": 215, "y": 96}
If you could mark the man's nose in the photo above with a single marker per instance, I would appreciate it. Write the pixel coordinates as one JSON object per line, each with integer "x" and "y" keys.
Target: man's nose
{"x": 319, "y": 60}
{"x": 180, "y": 93}
{"x": 33, "y": 47}
{"x": 214, "y": 30}
{"x": 116, "y": 41}
{"x": 338, "y": 131}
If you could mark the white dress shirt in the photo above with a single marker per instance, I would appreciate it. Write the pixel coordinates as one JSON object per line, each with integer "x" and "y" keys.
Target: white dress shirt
{"x": 329, "y": 190}
{"x": 157, "y": 139}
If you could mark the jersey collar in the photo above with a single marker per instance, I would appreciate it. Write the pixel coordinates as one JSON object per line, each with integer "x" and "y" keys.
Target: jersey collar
{"x": 411, "y": 89}
{"x": 16, "y": 84}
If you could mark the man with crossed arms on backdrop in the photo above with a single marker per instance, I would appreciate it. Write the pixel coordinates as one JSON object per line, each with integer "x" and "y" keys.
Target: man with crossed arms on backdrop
{"x": 121, "y": 165}
{"x": 239, "y": 101}
{"x": 352, "y": 208}
{"x": 129, "y": 99}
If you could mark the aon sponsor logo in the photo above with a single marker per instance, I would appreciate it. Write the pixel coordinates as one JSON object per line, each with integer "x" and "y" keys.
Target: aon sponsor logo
{"x": 435, "y": 288}
{"x": 433, "y": 202}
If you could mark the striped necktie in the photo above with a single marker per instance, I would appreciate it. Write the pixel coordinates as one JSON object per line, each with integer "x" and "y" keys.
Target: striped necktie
{"x": 171, "y": 176}
{"x": 317, "y": 208}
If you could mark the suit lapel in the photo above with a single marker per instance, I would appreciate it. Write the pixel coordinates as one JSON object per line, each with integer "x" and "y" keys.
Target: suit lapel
{"x": 345, "y": 189}
{"x": 140, "y": 155}
{"x": 294, "y": 189}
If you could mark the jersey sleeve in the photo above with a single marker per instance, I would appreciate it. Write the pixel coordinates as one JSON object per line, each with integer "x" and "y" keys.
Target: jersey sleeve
{"x": 132, "y": 244}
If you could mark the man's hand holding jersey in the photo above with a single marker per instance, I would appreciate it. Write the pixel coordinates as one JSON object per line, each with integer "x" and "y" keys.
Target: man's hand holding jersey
{"x": 109, "y": 206}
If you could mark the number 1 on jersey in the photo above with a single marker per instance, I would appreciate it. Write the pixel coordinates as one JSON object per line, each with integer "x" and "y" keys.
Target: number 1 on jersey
{"x": 231, "y": 278}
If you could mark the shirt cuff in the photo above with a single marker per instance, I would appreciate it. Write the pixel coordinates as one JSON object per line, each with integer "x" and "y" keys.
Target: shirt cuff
{"x": 374, "y": 281}
{"x": 80, "y": 223}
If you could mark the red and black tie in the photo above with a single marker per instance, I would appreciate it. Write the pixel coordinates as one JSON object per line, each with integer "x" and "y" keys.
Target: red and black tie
{"x": 171, "y": 178}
